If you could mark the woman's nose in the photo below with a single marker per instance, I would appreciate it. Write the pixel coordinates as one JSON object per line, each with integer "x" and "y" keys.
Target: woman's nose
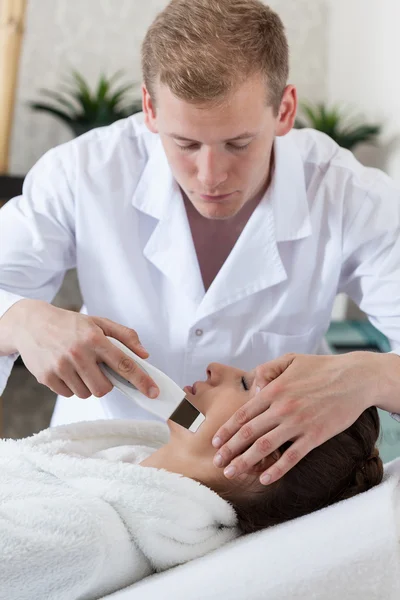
{"x": 215, "y": 373}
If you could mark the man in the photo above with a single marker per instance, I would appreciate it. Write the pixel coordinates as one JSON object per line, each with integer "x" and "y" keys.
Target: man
{"x": 210, "y": 232}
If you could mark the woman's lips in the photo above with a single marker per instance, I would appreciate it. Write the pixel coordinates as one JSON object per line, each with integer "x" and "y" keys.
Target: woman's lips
{"x": 192, "y": 389}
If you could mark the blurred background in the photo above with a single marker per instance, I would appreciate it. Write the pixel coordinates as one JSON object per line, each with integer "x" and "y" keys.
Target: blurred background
{"x": 68, "y": 66}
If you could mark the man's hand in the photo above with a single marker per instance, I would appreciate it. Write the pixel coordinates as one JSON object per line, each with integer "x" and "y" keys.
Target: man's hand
{"x": 304, "y": 399}
{"x": 63, "y": 349}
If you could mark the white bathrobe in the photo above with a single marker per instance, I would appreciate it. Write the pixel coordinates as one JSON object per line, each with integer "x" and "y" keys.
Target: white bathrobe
{"x": 80, "y": 518}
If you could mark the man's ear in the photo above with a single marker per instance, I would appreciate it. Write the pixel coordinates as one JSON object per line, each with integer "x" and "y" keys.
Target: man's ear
{"x": 149, "y": 110}
{"x": 287, "y": 111}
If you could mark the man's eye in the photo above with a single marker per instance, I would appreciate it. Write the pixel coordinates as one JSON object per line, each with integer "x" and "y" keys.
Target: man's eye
{"x": 187, "y": 148}
{"x": 196, "y": 147}
{"x": 234, "y": 147}
{"x": 244, "y": 384}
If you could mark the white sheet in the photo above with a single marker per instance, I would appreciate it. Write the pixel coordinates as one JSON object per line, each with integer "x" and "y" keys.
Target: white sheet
{"x": 347, "y": 551}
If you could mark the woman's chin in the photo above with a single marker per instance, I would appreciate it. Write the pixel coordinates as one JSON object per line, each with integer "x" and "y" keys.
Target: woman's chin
{"x": 178, "y": 431}
{"x": 175, "y": 428}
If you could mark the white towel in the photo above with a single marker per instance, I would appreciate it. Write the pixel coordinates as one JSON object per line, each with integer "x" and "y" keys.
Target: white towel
{"x": 347, "y": 551}
{"x": 79, "y": 519}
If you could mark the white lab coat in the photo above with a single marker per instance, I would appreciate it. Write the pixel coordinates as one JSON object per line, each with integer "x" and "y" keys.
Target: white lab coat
{"x": 108, "y": 204}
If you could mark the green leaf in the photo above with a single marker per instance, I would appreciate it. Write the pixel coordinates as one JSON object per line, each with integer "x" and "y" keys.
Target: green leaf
{"x": 59, "y": 98}
{"x": 50, "y": 109}
{"x": 84, "y": 95}
{"x": 81, "y": 82}
{"x": 337, "y": 123}
{"x": 120, "y": 93}
{"x": 102, "y": 88}
{"x": 85, "y": 109}
{"x": 310, "y": 113}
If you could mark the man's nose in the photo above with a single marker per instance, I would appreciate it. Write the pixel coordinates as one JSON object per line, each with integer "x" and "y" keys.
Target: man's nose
{"x": 211, "y": 170}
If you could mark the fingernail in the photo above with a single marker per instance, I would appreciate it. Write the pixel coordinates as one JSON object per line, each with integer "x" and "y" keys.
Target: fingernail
{"x": 142, "y": 348}
{"x": 258, "y": 389}
{"x": 265, "y": 479}
{"x": 216, "y": 442}
{"x": 230, "y": 471}
{"x": 218, "y": 460}
{"x": 153, "y": 392}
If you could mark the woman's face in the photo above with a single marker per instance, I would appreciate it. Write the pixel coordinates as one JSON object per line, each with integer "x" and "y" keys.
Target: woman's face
{"x": 225, "y": 390}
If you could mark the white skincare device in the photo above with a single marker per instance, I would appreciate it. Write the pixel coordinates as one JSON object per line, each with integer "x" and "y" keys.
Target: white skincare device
{"x": 171, "y": 403}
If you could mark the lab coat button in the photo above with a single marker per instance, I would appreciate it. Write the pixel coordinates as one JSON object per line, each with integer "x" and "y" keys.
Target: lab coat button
{"x": 199, "y": 332}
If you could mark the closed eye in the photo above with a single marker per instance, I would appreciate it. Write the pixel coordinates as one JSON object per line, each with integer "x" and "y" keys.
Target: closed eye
{"x": 244, "y": 384}
{"x": 233, "y": 147}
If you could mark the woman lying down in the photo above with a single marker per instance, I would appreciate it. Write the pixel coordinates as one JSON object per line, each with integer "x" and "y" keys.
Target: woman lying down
{"x": 89, "y": 508}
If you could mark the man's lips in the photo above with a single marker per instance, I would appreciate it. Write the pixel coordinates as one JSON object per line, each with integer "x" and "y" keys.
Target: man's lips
{"x": 215, "y": 198}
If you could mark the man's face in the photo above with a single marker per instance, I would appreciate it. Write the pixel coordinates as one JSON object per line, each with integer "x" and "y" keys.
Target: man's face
{"x": 220, "y": 154}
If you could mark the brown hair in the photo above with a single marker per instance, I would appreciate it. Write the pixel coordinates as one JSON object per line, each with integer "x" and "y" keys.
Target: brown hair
{"x": 342, "y": 467}
{"x": 202, "y": 49}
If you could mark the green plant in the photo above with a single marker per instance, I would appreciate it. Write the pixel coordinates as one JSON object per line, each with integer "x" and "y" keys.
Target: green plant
{"x": 82, "y": 110}
{"x": 342, "y": 127}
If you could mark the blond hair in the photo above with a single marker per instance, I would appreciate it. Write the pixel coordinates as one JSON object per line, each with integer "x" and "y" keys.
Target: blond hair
{"x": 203, "y": 49}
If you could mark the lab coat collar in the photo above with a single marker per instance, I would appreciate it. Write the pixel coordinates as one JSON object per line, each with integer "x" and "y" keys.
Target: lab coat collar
{"x": 156, "y": 186}
{"x": 170, "y": 247}
{"x": 288, "y": 192}
{"x": 254, "y": 263}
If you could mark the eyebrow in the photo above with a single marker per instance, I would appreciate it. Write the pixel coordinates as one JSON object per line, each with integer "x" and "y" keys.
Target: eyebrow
{"x": 244, "y": 135}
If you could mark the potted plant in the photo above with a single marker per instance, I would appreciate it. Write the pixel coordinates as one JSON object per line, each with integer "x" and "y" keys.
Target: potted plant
{"x": 81, "y": 109}
{"x": 348, "y": 131}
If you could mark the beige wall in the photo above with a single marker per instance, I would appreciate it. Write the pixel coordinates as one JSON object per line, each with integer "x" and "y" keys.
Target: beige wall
{"x": 96, "y": 35}
{"x": 364, "y": 73}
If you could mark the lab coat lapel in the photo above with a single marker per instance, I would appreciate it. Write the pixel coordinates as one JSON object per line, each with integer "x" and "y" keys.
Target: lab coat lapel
{"x": 170, "y": 247}
{"x": 254, "y": 263}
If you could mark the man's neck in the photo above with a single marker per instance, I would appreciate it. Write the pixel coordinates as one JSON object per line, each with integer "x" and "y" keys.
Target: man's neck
{"x": 214, "y": 239}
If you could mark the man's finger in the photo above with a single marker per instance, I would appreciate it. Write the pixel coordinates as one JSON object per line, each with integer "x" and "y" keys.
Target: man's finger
{"x": 270, "y": 371}
{"x": 75, "y": 383}
{"x": 127, "y": 336}
{"x": 289, "y": 459}
{"x": 247, "y": 437}
{"x": 57, "y": 385}
{"x": 260, "y": 447}
{"x": 128, "y": 369}
{"x": 254, "y": 407}
{"x": 92, "y": 376}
